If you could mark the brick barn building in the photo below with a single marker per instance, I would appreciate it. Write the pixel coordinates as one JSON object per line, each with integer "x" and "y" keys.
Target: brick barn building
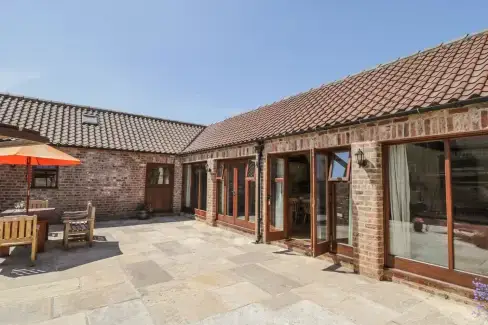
{"x": 386, "y": 169}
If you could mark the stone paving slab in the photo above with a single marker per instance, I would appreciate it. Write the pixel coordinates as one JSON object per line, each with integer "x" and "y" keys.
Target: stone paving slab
{"x": 268, "y": 281}
{"x": 172, "y": 270}
{"x": 145, "y": 273}
{"x": 94, "y": 298}
{"x": 240, "y": 294}
{"x": 125, "y": 313}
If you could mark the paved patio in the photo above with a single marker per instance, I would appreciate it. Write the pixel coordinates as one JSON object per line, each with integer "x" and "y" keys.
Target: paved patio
{"x": 172, "y": 270}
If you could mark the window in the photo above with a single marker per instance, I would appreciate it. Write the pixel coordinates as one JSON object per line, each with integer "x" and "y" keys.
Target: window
{"x": 469, "y": 174}
{"x": 195, "y": 188}
{"x": 438, "y": 206}
{"x": 236, "y": 192}
{"x": 89, "y": 118}
{"x": 187, "y": 186}
{"x": 339, "y": 169}
{"x": 159, "y": 176}
{"x": 418, "y": 228}
{"x": 44, "y": 177}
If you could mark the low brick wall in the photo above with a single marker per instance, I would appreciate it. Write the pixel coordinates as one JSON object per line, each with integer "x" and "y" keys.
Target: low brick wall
{"x": 113, "y": 180}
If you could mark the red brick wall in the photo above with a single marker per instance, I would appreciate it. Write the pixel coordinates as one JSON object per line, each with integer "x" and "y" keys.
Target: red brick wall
{"x": 113, "y": 180}
{"x": 366, "y": 182}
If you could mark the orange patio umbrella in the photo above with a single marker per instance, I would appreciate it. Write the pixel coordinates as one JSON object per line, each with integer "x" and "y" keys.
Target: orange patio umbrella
{"x": 19, "y": 152}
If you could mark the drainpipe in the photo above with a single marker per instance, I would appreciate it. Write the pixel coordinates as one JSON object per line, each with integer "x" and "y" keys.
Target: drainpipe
{"x": 259, "y": 147}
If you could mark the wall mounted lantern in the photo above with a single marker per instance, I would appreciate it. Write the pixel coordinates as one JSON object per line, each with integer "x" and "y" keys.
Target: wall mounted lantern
{"x": 207, "y": 168}
{"x": 360, "y": 159}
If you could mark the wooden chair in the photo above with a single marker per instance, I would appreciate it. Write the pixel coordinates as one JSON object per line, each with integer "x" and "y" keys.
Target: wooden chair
{"x": 306, "y": 210}
{"x": 38, "y": 204}
{"x": 19, "y": 230}
{"x": 294, "y": 205}
{"x": 79, "y": 224}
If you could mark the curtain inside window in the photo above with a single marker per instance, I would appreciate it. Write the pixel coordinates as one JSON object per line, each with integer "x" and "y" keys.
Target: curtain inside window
{"x": 399, "y": 201}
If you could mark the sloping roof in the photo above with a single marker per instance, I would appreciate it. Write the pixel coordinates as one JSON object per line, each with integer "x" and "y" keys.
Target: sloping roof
{"x": 62, "y": 124}
{"x": 450, "y": 72}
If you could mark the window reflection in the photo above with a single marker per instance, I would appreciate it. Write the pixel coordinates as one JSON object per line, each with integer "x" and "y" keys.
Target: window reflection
{"x": 320, "y": 189}
{"x": 469, "y": 165}
{"x": 418, "y": 222}
{"x": 252, "y": 201}
{"x": 343, "y": 213}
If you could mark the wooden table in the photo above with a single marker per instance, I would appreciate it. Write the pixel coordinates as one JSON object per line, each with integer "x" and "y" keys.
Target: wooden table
{"x": 44, "y": 215}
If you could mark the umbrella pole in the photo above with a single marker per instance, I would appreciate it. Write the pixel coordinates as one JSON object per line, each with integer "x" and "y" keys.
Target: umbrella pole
{"x": 28, "y": 184}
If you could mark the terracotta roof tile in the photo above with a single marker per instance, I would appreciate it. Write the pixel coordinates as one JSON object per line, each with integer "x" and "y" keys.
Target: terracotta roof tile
{"x": 62, "y": 124}
{"x": 447, "y": 73}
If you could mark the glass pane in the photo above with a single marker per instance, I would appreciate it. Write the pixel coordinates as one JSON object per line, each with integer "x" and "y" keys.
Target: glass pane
{"x": 159, "y": 176}
{"x": 339, "y": 164}
{"x": 241, "y": 191}
{"x": 221, "y": 197}
{"x": 251, "y": 169}
{"x": 278, "y": 168}
{"x": 252, "y": 201}
{"x": 342, "y": 213}
{"x": 194, "y": 187}
{"x": 418, "y": 222}
{"x": 187, "y": 186}
{"x": 320, "y": 193}
{"x": 469, "y": 165}
{"x": 166, "y": 175}
{"x": 220, "y": 170}
{"x": 203, "y": 185}
{"x": 230, "y": 192}
{"x": 277, "y": 216}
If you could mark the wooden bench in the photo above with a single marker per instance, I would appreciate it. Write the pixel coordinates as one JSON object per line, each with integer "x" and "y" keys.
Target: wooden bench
{"x": 19, "y": 230}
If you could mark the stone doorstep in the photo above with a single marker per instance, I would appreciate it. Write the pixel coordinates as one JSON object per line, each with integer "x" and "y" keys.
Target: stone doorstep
{"x": 296, "y": 248}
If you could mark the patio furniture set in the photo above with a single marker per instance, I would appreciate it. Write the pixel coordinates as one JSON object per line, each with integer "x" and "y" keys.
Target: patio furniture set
{"x": 30, "y": 227}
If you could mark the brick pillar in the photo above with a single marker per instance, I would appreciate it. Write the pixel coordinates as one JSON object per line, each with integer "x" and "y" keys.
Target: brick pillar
{"x": 178, "y": 185}
{"x": 367, "y": 196}
{"x": 212, "y": 193}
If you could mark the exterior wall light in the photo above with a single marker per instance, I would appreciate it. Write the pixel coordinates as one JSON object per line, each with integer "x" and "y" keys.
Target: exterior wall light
{"x": 208, "y": 168}
{"x": 360, "y": 159}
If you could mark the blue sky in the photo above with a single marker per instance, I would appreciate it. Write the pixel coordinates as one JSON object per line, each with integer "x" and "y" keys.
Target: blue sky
{"x": 204, "y": 60}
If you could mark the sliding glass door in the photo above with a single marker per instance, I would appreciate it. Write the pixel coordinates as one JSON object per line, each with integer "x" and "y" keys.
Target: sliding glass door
{"x": 437, "y": 208}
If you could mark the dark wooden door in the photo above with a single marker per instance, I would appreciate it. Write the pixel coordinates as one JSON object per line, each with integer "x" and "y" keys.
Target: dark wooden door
{"x": 159, "y": 187}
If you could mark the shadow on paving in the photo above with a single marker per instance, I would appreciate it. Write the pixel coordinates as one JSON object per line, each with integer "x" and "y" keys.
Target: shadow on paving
{"x": 286, "y": 252}
{"x": 336, "y": 268}
{"x": 56, "y": 258}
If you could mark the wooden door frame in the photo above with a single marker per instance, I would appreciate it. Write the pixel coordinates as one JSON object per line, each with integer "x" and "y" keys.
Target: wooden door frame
{"x": 231, "y": 170}
{"x": 271, "y": 235}
{"x": 324, "y": 246}
{"x": 170, "y": 185}
{"x": 330, "y": 245}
